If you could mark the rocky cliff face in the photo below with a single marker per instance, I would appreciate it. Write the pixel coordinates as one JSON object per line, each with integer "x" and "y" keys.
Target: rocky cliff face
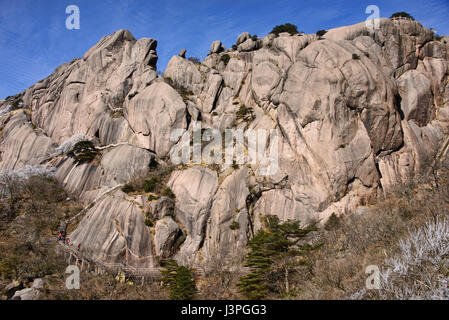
{"x": 357, "y": 111}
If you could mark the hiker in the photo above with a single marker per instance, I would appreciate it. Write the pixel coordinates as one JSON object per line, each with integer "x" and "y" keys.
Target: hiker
{"x": 79, "y": 247}
{"x": 60, "y": 236}
{"x": 68, "y": 241}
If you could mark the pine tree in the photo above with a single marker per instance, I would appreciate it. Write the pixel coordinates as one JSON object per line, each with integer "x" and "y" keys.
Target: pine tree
{"x": 83, "y": 152}
{"x": 287, "y": 27}
{"x": 271, "y": 253}
{"x": 178, "y": 280}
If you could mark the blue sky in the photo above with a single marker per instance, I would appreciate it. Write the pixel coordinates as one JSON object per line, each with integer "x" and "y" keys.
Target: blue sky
{"x": 34, "y": 39}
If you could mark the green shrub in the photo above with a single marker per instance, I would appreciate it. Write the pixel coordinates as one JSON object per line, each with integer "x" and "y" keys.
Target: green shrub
{"x": 183, "y": 91}
{"x": 272, "y": 255}
{"x": 132, "y": 95}
{"x": 332, "y": 223}
{"x": 195, "y": 60}
{"x": 437, "y": 37}
{"x": 152, "y": 197}
{"x": 149, "y": 223}
{"x": 288, "y": 27}
{"x": 153, "y": 164}
{"x": 402, "y": 14}
{"x": 244, "y": 113}
{"x": 225, "y": 59}
{"x": 234, "y": 226}
{"x": 169, "y": 80}
{"x": 234, "y": 47}
{"x": 16, "y": 104}
{"x": 178, "y": 280}
{"x": 149, "y": 220}
{"x": 83, "y": 152}
{"x": 117, "y": 114}
{"x": 150, "y": 185}
{"x": 168, "y": 193}
{"x": 321, "y": 33}
{"x": 127, "y": 188}
{"x": 355, "y": 56}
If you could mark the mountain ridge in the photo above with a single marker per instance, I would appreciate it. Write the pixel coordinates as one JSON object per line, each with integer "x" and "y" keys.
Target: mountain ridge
{"x": 358, "y": 111}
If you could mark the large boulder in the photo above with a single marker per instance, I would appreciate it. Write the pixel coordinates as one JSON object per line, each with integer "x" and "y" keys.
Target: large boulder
{"x": 333, "y": 79}
{"x": 194, "y": 189}
{"x": 265, "y": 79}
{"x": 234, "y": 74}
{"x": 167, "y": 232}
{"x": 27, "y": 294}
{"x": 11, "y": 288}
{"x": 23, "y": 145}
{"x": 38, "y": 283}
{"x": 182, "y": 53}
{"x": 242, "y": 38}
{"x": 228, "y": 227}
{"x": 398, "y": 38}
{"x": 184, "y": 74}
{"x": 137, "y": 160}
{"x": 417, "y": 100}
{"x": 162, "y": 207}
{"x": 211, "y": 91}
{"x": 114, "y": 233}
{"x": 216, "y": 47}
{"x": 32, "y": 293}
{"x": 154, "y": 113}
{"x": 72, "y": 99}
{"x": 249, "y": 45}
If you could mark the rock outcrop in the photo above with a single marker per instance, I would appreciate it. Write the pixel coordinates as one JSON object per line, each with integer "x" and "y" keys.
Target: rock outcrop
{"x": 32, "y": 293}
{"x": 216, "y": 47}
{"x": 182, "y": 53}
{"x": 357, "y": 111}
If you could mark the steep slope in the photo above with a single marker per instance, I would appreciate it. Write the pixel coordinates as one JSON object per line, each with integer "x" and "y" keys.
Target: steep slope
{"x": 357, "y": 111}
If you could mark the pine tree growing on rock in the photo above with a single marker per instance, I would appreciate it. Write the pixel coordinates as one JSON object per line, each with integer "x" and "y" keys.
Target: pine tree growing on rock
{"x": 272, "y": 253}
{"x": 178, "y": 280}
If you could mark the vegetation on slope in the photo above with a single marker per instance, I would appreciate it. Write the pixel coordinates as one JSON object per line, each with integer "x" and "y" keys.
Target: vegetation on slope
{"x": 401, "y": 14}
{"x": 28, "y": 248}
{"x": 272, "y": 256}
{"x": 287, "y": 27}
{"x": 407, "y": 229}
{"x": 178, "y": 280}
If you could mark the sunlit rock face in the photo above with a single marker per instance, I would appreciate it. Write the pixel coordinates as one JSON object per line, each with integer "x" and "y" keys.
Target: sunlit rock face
{"x": 357, "y": 111}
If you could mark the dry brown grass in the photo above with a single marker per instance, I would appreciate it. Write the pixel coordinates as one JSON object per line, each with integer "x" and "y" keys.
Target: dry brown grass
{"x": 104, "y": 287}
{"x": 28, "y": 249}
{"x": 217, "y": 279}
{"x": 336, "y": 270}
{"x": 27, "y": 239}
{"x": 356, "y": 241}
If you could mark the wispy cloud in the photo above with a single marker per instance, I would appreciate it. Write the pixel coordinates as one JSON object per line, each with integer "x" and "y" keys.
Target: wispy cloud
{"x": 34, "y": 41}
